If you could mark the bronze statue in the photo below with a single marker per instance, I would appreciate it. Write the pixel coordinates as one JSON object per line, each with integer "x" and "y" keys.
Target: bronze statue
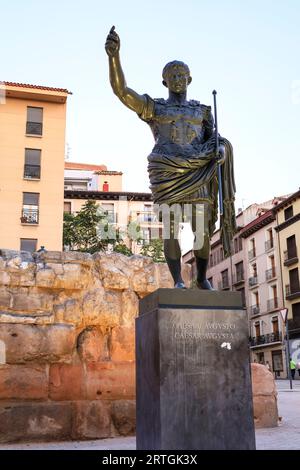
{"x": 184, "y": 162}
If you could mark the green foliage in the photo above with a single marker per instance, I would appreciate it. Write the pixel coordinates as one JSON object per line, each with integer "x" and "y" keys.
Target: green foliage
{"x": 155, "y": 250}
{"x": 122, "y": 248}
{"x": 81, "y": 230}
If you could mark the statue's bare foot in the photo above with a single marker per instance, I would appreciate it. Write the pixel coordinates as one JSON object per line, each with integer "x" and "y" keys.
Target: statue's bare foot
{"x": 206, "y": 285}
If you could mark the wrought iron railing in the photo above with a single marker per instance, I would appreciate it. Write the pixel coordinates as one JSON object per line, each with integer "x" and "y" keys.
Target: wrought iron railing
{"x": 30, "y": 216}
{"x": 269, "y": 244}
{"x": 270, "y": 274}
{"x": 255, "y": 309}
{"x": 290, "y": 254}
{"x": 238, "y": 277}
{"x": 32, "y": 171}
{"x": 266, "y": 339}
{"x": 34, "y": 128}
{"x": 292, "y": 289}
{"x": 272, "y": 304}
{"x": 253, "y": 281}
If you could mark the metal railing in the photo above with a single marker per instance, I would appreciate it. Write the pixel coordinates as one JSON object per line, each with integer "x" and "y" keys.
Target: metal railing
{"x": 238, "y": 277}
{"x": 269, "y": 244}
{"x": 255, "y": 309}
{"x": 30, "y": 216}
{"x": 272, "y": 304}
{"x": 145, "y": 217}
{"x": 252, "y": 254}
{"x": 34, "y": 128}
{"x": 223, "y": 284}
{"x": 253, "y": 281}
{"x": 290, "y": 254}
{"x": 32, "y": 171}
{"x": 270, "y": 274}
{"x": 292, "y": 289}
{"x": 266, "y": 339}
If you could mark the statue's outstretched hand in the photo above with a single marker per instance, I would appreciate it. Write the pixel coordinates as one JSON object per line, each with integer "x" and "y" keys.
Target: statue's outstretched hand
{"x": 112, "y": 45}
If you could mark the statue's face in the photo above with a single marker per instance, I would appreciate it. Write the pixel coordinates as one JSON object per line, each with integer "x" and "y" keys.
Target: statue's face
{"x": 177, "y": 79}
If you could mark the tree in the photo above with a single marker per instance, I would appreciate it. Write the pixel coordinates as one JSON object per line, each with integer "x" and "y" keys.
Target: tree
{"x": 81, "y": 230}
{"x": 154, "y": 249}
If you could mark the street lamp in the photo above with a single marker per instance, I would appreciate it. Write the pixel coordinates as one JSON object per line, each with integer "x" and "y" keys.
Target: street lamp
{"x": 284, "y": 315}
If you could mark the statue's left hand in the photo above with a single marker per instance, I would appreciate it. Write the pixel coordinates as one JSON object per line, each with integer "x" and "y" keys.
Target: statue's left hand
{"x": 221, "y": 157}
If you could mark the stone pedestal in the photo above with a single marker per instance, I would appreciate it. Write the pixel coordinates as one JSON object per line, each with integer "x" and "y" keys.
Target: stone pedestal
{"x": 193, "y": 372}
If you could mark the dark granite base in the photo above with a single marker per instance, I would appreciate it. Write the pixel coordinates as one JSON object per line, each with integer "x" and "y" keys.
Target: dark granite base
{"x": 193, "y": 372}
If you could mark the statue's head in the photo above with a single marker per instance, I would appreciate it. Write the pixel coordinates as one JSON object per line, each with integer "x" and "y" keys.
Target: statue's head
{"x": 176, "y": 76}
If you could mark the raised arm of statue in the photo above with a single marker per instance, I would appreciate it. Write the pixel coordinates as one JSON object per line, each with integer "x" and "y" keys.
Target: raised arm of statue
{"x": 129, "y": 97}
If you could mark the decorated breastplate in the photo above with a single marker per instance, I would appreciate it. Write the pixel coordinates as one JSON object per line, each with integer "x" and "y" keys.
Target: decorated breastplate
{"x": 178, "y": 124}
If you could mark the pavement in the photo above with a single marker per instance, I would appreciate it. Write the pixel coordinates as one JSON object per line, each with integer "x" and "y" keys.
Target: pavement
{"x": 284, "y": 437}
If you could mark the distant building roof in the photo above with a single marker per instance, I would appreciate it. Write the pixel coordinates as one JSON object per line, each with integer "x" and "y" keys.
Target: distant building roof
{"x": 287, "y": 201}
{"x": 265, "y": 219}
{"x": 107, "y": 195}
{"x": 37, "y": 87}
{"x": 84, "y": 166}
{"x": 107, "y": 172}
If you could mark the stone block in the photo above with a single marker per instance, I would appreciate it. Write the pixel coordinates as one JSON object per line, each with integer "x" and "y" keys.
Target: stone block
{"x": 130, "y": 307}
{"x": 45, "y": 277}
{"x": 4, "y": 278}
{"x": 122, "y": 344}
{"x": 90, "y": 345}
{"x": 73, "y": 312}
{"x": 108, "y": 380}
{"x": 91, "y": 420}
{"x": 35, "y": 421}
{"x": 101, "y": 307}
{"x": 67, "y": 382}
{"x": 49, "y": 343}
{"x": 5, "y": 298}
{"x": 264, "y": 397}
{"x": 31, "y": 300}
{"x": 23, "y": 382}
{"x": 123, "y": 416}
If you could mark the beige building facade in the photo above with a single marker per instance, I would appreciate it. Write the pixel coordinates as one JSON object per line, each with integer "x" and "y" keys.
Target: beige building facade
{"x": 288, "y": 230}
{"x": 32, "y": 150}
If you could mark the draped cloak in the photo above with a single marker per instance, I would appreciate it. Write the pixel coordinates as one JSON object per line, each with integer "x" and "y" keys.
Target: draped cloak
{"x": 182, "y": 166}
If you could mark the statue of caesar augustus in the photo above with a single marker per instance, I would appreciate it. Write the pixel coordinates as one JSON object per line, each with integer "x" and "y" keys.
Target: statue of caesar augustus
{"x": 183, "y": 163}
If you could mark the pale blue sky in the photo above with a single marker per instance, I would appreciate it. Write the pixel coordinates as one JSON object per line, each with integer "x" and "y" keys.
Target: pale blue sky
{"x": 247, "y": 50}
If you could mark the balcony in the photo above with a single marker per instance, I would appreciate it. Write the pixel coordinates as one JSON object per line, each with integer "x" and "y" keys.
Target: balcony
{"x": 253, "y": 281}
{"x": 255, "y": 310}
{"x": 145, "y": 217}
{"x": 238, "y": 278}
{"x": 34, "y": 128}
{"x": 292, "y": 291}
{"x": 110, "y": 217}
{"x": 223, "y": 284}
{"x": 251, "y": 254}
{"x": 30, "y": 216}
{"x": 266, "y": 339}
{"x": 270, "y": 274}
{"x": 32, "y": 172}
{"x": 272, "y": 304}
{"x": 290, "y": 256}
{"x": 269, "y": 244}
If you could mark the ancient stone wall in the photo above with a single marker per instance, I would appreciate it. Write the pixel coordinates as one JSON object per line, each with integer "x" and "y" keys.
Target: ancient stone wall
{"x": 67, "y": 343}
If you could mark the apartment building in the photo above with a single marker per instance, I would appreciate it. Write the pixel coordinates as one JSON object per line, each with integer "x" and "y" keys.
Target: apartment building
{"x": 288, "y": 231}
{"x": 120, "y": 207}
{"x": 264, "y": 293}
{"x": 32, "y": 150}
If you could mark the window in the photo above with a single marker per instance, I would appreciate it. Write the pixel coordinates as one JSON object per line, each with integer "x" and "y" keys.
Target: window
{"x": 242, "y": 291}
{"x": 277, "y": 362}
{"x": 238, "y": 244}
{"x": 294, "y": 280}
{"x": 252, "y": 251}
{"x": 275, "y": 325}
{"x": 34, "y": 124}
{"x": 105, "y": 187}
{"x": 225, "y": 280}
{"x": 239, "y": 271}
{"x": 32, "y": 167}
{"x": 257, "y": 328}
{"x": 67, "y": 207}
{"x": 291, "y": 247}
{"x": 108, "y": 212}
{"x": 288, "y": 213}
{"x": 28, "y": 244}
{"x": 30, "y": 211}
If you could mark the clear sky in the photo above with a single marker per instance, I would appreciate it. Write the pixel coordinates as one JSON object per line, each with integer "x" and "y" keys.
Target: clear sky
{"x": 247, "y": 50}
